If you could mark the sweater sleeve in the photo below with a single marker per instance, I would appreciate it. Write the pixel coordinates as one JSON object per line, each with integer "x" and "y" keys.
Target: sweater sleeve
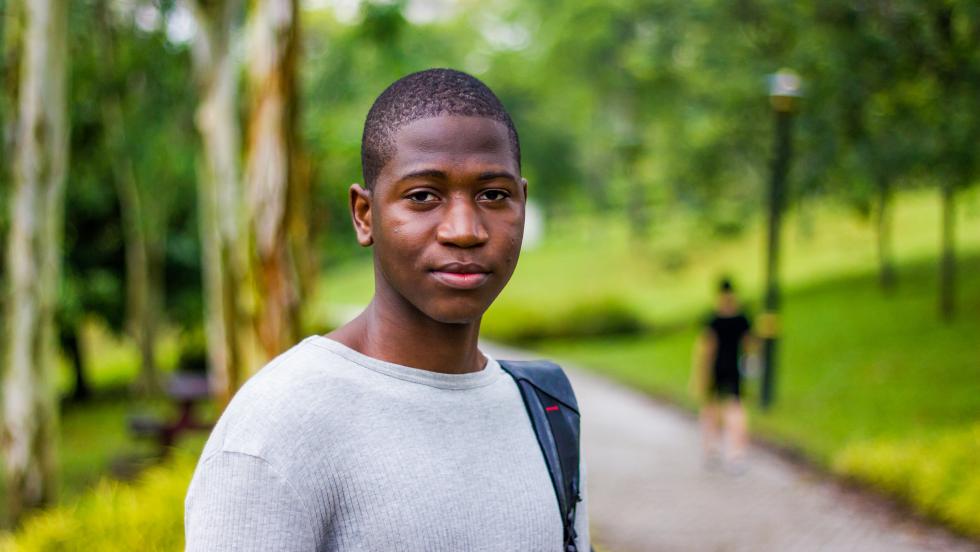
{"x": 238, "y": 502}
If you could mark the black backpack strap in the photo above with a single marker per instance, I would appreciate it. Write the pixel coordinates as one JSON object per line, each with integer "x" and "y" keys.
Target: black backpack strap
{"x": 553, "y": 411}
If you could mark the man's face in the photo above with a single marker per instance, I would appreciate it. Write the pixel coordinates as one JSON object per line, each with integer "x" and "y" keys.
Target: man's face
{"x": 446, "y": 217}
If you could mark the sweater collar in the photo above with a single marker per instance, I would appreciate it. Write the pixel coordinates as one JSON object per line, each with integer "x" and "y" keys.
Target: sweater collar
{"x": 470, "y": 380}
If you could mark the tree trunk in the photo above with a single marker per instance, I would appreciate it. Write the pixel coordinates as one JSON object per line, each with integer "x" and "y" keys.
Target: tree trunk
{"x": 947, "y": 262}
{"x": 229, "y": 295}
{"x": 630, "y": 150}
{"x": 70, "y": 345}
{"x": 636, "y": 206}
{"x": 142, "y": 313}
{"x": 29, "y": 434}
{"x": 271, "y": 175}
{"x": 304, "y": 254}
{"x": 957, "y": 154}
{"x": 883, "y": 223}
{"x": 12, "y": 44}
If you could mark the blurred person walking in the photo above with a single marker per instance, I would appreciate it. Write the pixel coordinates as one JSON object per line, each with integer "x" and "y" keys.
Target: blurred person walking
{"x": 717, "y": 380}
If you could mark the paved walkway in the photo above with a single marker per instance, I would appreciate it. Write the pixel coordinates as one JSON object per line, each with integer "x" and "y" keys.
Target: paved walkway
{"x": 649, "y": 490}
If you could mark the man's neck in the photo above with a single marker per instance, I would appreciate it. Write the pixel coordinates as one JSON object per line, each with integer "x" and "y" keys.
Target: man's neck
{"x": 408, "y": 337}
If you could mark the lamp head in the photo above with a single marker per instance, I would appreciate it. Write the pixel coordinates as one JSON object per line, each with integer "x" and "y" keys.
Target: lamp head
{"x": 785, "y": 87}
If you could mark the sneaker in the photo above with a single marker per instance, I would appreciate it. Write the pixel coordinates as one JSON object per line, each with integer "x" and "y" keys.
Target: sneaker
{"x": 736, "y": 467}
{"x": 712, "y": 461}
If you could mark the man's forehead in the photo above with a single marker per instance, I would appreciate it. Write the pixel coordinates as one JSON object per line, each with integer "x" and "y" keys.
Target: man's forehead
{"x": 451, "y": 134}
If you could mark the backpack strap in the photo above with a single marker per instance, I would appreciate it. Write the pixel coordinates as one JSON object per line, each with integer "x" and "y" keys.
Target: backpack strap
{"x": 553, "y": 411}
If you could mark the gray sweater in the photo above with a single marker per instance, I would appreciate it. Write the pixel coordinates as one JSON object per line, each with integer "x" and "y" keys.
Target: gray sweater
{"x": 329, "y": 449}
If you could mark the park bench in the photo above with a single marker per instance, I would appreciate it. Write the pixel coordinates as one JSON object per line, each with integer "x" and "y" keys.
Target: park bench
{"x": 185, "y": 390}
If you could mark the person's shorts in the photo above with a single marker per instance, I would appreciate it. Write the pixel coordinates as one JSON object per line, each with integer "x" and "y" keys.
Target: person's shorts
{"x": 726, "y": 386}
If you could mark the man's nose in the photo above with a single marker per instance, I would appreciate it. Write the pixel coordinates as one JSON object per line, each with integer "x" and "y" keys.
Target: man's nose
{"x": 462, "y": 225}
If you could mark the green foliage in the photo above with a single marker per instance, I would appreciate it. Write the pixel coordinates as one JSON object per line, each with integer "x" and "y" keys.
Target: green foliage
{"x": 516, "y": 322}
{"x": 939, "y": 474}
{"x": 131, "y": 118}
{"x": 144, "y": 515}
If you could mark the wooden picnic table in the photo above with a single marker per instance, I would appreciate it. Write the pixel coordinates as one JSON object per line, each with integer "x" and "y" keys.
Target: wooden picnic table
{"x": 185, "y": 390}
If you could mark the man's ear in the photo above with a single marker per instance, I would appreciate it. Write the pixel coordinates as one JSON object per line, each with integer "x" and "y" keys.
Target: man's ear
{"x": 524, "y": 188}
{"x": 360, "y": 213}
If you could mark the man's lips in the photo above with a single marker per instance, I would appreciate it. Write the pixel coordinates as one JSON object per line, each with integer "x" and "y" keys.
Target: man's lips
{"x": 462, "y": 275}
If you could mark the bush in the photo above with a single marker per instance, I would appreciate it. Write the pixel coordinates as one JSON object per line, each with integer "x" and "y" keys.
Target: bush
{"x": 521, "y": 323}
{"x": 938, "y": 475}
{"x": 145, "y": 515}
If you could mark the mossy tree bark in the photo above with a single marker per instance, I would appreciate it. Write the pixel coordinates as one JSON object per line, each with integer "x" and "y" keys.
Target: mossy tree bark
{"x": 274, "y": 184}
{"x": 30, "y": 415}
{"x": 228, "y": 284}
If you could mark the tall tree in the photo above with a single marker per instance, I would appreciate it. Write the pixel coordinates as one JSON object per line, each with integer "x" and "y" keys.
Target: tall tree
{"x": 943, "y": 40}
{"x": 143, "y": 240}
{"x": 34, "y": 259}
{"x": 228, "y": 284}
{"x": 955, "y": 65}
{"x": 275, "y": 188}
{"x": 862, "y": 78}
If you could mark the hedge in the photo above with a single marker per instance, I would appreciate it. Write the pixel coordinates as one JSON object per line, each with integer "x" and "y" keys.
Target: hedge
{"x": 939, "y": 475}
{"x": 145, "y": 515}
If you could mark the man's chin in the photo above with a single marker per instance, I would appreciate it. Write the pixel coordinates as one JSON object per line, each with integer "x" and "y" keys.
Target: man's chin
{"x": 456, "y": 314}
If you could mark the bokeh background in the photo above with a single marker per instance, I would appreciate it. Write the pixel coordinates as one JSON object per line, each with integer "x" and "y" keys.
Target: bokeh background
{"x": 173, "y": 199}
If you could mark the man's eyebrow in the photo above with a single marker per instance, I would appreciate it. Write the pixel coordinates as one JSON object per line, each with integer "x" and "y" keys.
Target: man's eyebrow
{"x": 425, "y": 173}
{"x": 493, "y": 175}
{"x": 440, "y": 175}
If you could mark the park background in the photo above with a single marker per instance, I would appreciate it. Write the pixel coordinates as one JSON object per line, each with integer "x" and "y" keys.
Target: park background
{"x": 173, "y": 197}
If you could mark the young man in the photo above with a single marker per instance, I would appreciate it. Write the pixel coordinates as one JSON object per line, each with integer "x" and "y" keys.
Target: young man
{"x": 395, "y": 432}
{"x": 726, "y": 336}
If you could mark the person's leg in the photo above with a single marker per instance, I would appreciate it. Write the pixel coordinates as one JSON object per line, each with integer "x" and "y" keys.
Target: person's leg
{"x": 736, "y": 429}
{"x": 711, "y": 430}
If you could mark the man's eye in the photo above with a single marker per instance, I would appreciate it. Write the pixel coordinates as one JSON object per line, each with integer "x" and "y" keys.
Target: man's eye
{"x": 422, "y": 196}
{"x": 494, "y": 195}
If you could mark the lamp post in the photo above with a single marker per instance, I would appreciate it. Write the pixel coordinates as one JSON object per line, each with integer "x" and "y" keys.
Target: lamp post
{"x": 784, "y": 92}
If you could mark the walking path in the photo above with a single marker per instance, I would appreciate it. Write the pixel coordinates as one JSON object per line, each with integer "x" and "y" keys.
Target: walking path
{"x": 648, "y": 489}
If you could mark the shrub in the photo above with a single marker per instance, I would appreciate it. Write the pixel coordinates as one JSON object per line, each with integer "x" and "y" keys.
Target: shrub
{"x": 938, "y": 475}
{"x": 520, "y": 322}
{"x": 145, "y": 515}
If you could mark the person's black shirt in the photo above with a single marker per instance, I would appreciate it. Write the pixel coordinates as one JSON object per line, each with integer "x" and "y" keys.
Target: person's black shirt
{"x": 729, "y": 332}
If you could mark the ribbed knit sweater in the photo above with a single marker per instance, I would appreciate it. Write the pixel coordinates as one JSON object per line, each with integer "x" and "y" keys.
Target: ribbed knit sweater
{"x": 328, "y": 449}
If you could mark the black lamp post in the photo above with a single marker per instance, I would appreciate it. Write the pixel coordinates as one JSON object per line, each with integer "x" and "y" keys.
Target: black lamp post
{"x": 784, "y": 91}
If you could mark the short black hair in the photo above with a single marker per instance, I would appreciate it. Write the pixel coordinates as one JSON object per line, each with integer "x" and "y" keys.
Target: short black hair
{"x": 429, "y": 93}
{"x": 725, "y": 285}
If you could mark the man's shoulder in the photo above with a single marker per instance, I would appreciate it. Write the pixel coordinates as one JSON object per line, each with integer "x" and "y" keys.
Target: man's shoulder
{"x": 303, "y": 387}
